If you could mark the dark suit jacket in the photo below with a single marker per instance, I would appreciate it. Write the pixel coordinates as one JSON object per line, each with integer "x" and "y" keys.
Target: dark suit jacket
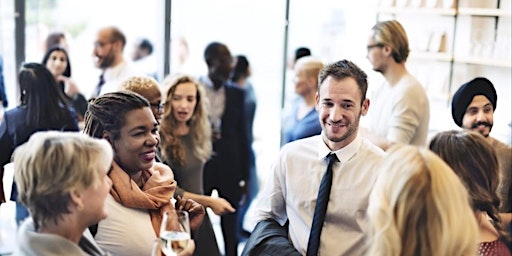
{"x": 230, "y": 161}
{"x": 15, "y": 131}
{"x": 269, "y": 238}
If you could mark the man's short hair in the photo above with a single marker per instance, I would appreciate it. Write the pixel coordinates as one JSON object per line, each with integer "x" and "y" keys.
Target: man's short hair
{"x": 146, "y": 44}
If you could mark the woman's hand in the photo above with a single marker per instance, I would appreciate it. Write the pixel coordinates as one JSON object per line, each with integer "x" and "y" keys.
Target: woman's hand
{"x": 220, "y": 206}
{"x": 195, "y": 211}
{"x": 189, "y": 251}
{"x": 70, "y": 87}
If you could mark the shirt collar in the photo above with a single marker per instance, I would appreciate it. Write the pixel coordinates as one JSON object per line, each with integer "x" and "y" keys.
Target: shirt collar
{"x": 344, "y": 154}
{"x": 205, "y": 80}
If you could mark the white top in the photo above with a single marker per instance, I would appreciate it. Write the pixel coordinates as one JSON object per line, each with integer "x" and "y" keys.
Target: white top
{"x": 126, "y": 231}
{"x": 114, "y": 76}
{"x": 401, "y": 113}
{"x": 216, "y": 99}
{"x": 291, "y": 190}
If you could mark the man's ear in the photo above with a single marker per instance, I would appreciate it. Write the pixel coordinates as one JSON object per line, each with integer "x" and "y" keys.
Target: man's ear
{"x": 317, "y": 98}
{"x": 365, "y": 106}
{"x": 388, "y": 50}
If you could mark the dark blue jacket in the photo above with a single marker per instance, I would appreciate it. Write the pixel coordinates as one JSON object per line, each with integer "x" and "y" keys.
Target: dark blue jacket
{"x": 15, "y": 131}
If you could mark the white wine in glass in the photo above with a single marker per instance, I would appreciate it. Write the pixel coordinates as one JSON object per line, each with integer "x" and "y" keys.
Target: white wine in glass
{"x": 174, "y": 234}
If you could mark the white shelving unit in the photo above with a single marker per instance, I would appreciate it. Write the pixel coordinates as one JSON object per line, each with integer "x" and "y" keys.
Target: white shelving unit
{"x": 458, "y": 13}
{"x": 476, "y": 42}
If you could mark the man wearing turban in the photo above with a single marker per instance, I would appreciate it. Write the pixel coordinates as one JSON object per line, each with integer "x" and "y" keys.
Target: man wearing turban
{"x": 473, "y": 106}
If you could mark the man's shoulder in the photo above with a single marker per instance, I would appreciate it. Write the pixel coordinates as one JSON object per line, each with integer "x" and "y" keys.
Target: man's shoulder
{"x": 499, "y": 146}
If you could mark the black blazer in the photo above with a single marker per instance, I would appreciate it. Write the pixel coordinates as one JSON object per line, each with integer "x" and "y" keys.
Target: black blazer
{"x": 231, "y": 157}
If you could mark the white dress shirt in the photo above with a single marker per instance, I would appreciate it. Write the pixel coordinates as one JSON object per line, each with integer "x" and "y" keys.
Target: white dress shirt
{"x": 292, "y": 188}
{"x": 114, "y": 76}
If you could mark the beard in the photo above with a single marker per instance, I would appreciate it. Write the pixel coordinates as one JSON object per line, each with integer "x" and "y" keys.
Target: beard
{"x": 474, "y": 127}
{"x": 351, "y": 129}
{"x": 107, "y": 60}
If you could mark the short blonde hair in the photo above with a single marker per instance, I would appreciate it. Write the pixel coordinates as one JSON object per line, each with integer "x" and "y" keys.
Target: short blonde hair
{"x": 144, "y": 85}
{"x": 310, "y": 66}
{"x": 53, "y": 164}
{"x": 419, "y": 207}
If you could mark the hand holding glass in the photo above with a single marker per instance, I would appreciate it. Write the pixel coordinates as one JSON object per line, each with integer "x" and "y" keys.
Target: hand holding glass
{"x": 174, "y": 234}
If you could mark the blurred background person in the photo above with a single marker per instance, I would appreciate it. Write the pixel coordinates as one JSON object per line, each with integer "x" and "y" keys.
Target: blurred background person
{"x": 108, "y": 57}
{"x": 474, "y": 160}
{"x": 56, "y": 59}
{"x": 400, "y": 111}
{"x": 56, "y": 38}
{"x": 240, "y": 77}
{"x": 144, "y": 59}
{"x": 186, "y": 146}
{"x": 180, "y": 54}
{"x": 419, "y": 207}
{"x": 227, "y": 170}
{"x": 301, "y": 118}
{"x": 142, "y": 189}
{"x": 297, "y": 54}
{"x": 65, "y": 194}
{"x": 42, "y": 107}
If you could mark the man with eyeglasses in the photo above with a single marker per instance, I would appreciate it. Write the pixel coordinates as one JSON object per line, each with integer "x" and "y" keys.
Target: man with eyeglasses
{"x": 108, "y": 56}
{"x": 400, "y": 107}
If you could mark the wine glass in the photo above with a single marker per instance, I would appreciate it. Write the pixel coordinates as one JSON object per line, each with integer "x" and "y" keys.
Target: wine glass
{"x": 174, "y": 233}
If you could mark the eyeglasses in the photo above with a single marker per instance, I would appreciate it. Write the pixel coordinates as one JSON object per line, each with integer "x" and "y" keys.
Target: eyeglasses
{"x": 99, "y": 44}
{"x": 369, "y": 47}
{"x": 159, "y": 106}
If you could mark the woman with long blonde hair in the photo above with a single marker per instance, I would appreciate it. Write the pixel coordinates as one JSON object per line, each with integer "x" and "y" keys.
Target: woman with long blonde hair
{"x": 186, "y": 146}
{"x": 419, "y": 207}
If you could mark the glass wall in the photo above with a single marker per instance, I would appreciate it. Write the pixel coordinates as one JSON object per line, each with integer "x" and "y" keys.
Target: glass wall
{"x": 79, "y": 20}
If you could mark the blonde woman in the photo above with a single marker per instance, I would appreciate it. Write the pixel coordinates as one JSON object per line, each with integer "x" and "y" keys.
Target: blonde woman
{"x": 186, "y": 146}
{"x": 419, "y": 207}
{"x": 301, "y": 120}
{"x": 473, "y": 159}
{"x": 64, "y": 193}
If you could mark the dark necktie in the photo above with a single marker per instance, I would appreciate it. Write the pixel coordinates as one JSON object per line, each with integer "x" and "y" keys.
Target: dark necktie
{"x": 100, "y": 84}
{"x": 321, "y": 207}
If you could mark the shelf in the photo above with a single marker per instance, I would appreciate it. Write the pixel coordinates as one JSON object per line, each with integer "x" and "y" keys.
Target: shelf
{"x": 484, "y": 12}
{"x": 418, "y": 10}
{"x": 438, "y": 56}
{"x": 483, "y": 61}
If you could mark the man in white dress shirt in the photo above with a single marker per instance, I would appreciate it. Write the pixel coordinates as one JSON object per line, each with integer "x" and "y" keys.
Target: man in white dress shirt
{"x": 108, "y": 53}
{"x": 290, "y": 193}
